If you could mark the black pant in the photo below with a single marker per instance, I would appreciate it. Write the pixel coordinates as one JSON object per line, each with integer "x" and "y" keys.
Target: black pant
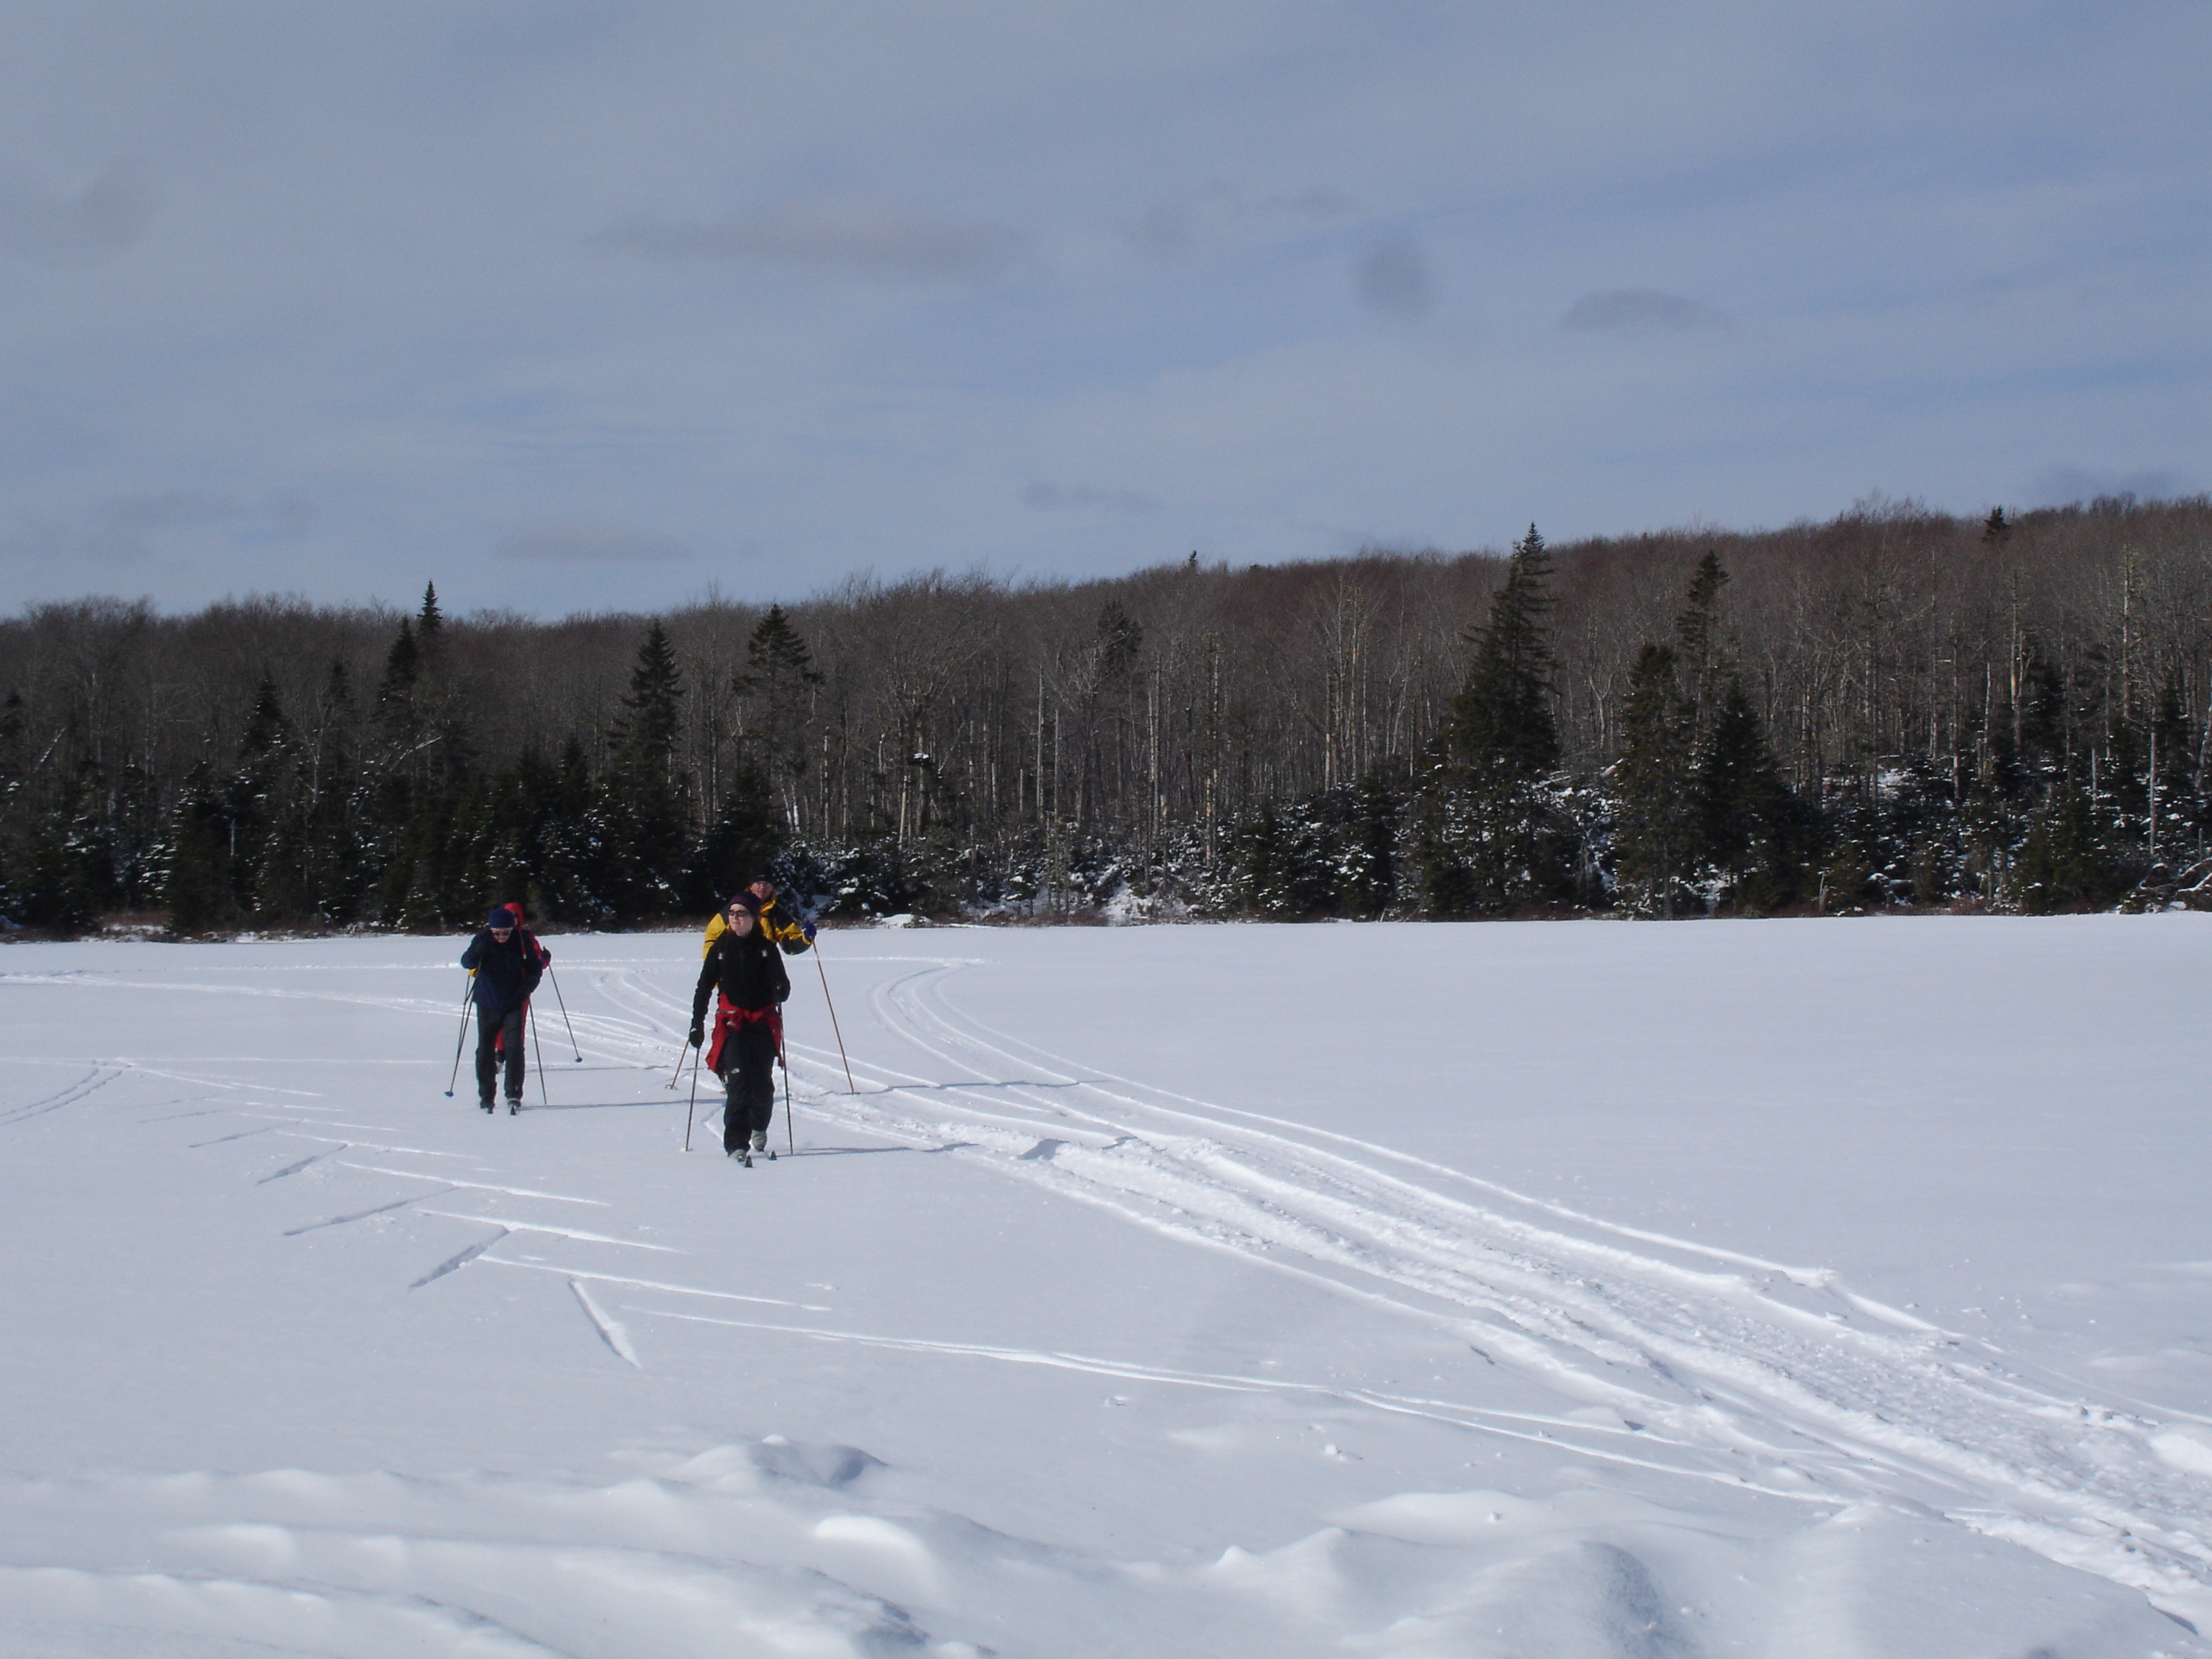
{"x": 749, "y": 1078}
{"x": 506, "y": 1029}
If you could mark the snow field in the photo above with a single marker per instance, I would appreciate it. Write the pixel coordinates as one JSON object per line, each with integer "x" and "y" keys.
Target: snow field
{"x": 1389, "y": 1290}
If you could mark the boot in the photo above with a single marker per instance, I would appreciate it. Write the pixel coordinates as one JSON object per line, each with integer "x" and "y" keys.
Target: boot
{"x": 760, "y": 1140}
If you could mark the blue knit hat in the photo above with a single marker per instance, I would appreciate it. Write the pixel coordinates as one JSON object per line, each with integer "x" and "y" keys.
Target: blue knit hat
{"x": 502, "y": 917}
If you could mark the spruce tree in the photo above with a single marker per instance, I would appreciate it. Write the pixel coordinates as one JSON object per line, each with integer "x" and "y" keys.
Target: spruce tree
{"x": 402, "y": 668}
{"x": 652, "y": 804}
{"x": 1501, "y": 729}
{"x": 258, "y": 787}
{"x": 1753, "y": 830}
{"x": 1697, "y": 629}
{"x": 1490, "y": 836}
{"x": 1655, "y": 822}
{"x": 195, "y": 885}
{"x": 777, "y": 682}
{"x": 653, "y": 718}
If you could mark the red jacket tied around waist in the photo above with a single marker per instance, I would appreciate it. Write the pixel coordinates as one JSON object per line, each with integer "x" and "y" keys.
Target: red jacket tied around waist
{"x": 728, "y": 1017}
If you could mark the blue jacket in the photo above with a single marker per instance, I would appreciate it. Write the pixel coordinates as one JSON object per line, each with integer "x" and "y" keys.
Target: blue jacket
{"x": 506, "y": 974}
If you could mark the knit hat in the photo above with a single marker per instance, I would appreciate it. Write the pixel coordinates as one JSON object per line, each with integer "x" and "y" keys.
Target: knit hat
{"x": 746, "y": 902}
{"x": 502, "y": 917}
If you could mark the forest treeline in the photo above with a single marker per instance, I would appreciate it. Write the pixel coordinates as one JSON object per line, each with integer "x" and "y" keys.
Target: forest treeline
{"x": 1895, "y": 707}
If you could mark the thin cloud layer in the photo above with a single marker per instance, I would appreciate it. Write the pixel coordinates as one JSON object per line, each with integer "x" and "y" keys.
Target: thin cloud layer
{"x": 1640, "y": 311}
{"x": 1049, "y": 498}
{"x": 127, "y": 530}
{"x": 1180, "y": 225}
{"x": 1392, "y": 279}
{"x": 2063, "y": 485}
{"x": 106, "y": 218}
{"x": 589, "y": 544}
{"x": 861, "y": 237}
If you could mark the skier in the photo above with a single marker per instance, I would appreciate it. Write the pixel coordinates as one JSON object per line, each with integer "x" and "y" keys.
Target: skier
{"x": 506, "y": 971}
{"x": 793, "y": 936}
{"x": 746, "y": 973}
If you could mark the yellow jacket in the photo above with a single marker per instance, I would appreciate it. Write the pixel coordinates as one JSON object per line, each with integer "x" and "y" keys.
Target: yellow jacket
{"x": 788, "y": 934}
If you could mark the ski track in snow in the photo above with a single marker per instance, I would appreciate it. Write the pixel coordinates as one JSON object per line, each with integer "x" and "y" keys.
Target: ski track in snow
{"x": 1759, "y": 1362}
{"x": 1768, "y": 1375}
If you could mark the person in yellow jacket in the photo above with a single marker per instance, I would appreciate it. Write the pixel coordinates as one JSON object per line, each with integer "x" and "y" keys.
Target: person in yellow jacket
{"x": 794, "y": 937}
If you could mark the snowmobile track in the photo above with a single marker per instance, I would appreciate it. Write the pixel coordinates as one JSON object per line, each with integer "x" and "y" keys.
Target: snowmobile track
{"x": 1782, "y": 1371}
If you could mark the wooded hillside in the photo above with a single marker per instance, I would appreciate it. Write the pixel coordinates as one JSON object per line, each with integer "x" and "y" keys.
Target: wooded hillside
{"x": 1894, "y": 708}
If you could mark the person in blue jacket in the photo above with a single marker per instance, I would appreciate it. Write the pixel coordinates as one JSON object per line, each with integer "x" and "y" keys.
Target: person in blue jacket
{"x": 506, "y": 968}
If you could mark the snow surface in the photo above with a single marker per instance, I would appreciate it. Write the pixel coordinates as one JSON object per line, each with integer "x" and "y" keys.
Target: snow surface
{"x": 1830, "y": 1288}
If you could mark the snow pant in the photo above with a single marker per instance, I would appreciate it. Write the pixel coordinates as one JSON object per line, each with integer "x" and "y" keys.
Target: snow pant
{"x": 749, "y": 1081}
{"x": 499, "y": 1036}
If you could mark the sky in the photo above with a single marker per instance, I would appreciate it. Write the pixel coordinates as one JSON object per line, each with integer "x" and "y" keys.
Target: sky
{"x": 574, "y": 306}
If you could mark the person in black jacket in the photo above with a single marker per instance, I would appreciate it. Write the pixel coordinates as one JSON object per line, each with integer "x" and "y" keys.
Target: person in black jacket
{"x": 746, "y": 973}
{"x": 506, "y": 966}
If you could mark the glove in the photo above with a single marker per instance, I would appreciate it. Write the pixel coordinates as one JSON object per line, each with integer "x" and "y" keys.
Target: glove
{"x": 807, "y": 928}
{"x": 698, "y": 1036}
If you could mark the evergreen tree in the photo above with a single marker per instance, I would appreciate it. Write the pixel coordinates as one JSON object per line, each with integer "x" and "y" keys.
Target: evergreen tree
{"x": 654, "y": 720}
{"x": 744, "y": 839}
{"x": 1753, "y": 830}
{"x": 1370, "y": 881}
{"x": 256, "y": 786}
{"x": 67, "y": 871}
{"x": 329, "y": 827}
{"x": 402, "y": 668}
{"x": 777, "y": 682}
{"x": 1501, "y": 729}
{"x": 1696, "y": 630}
{"x": 647, "y": 809}
{"x": 1491, "y": 834}
{"x": 1656, "y": 826}
{"x": 2063, "y": 865}
{"x": 197, "y": 887}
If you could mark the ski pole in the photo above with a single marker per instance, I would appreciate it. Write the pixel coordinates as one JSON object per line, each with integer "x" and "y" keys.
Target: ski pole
{"x": 790, "y": 1139}
{"x": 694, "y": 1106}
{"x": 565, "y": 1020}
{"x": 459, "y": 1041}
{"x": 677, "y": 1076}
{"x": 824, "y": 972}
{"x": 531, "y": 1014}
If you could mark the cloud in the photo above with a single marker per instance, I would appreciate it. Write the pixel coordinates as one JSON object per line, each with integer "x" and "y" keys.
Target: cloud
{"x": 2061, "y": 485}
{"x": 1392, "y": 280}
{"x": 101, "y": 222}
{"x": 123, "y": 529}
{"x": 1640, "y": 311}
{"x": 1170, "y": 230}
{"x": 860, "y": 235}
{"x": 590, "y": 543}
{"x": 1048, "y": 498}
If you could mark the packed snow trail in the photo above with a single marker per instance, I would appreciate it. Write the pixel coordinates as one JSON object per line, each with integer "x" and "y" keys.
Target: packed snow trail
{"x": 1794, "y": 1383}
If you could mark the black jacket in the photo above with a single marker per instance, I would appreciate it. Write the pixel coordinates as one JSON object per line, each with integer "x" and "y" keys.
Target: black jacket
{"x": 506, "y": 974}
{"x": 749, "y": 971}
